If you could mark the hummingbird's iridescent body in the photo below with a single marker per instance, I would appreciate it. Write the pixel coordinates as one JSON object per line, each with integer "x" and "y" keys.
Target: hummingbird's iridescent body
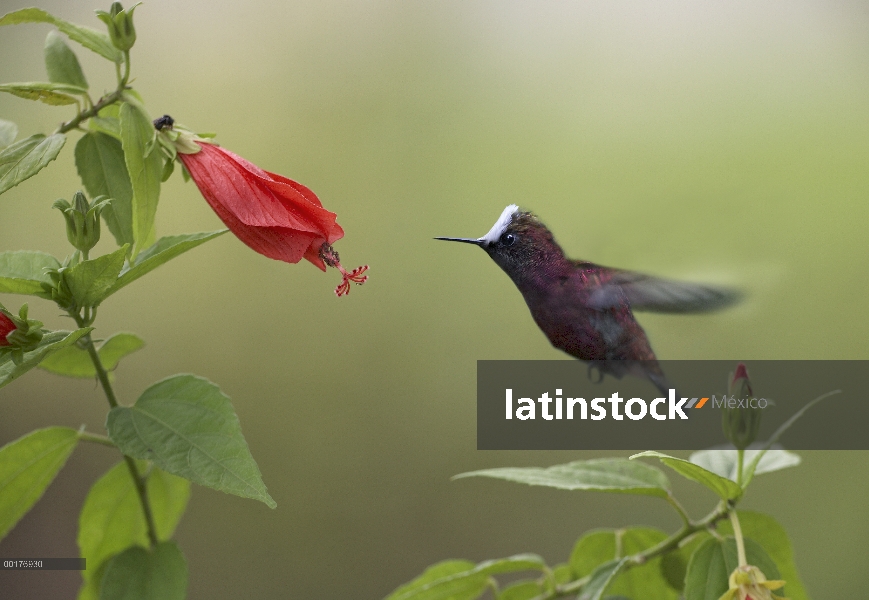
{"x": 585, "y": 309}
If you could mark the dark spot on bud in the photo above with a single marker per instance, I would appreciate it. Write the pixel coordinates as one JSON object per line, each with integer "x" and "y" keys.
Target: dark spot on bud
{"x": 164, "y": 122}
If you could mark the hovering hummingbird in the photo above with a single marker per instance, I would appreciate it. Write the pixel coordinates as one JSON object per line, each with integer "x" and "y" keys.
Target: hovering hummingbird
{"x": 585, "y": 309}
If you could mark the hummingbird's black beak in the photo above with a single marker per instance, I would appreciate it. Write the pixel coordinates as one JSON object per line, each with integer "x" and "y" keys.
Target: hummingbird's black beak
{"x": 476, "y": 242}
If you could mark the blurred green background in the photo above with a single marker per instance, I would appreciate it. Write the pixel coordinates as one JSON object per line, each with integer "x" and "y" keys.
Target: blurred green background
{"x": 719, "y": 141}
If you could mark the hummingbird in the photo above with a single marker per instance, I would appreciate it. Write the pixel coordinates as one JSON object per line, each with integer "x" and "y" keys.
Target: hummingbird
{"x": 585, "y": 309}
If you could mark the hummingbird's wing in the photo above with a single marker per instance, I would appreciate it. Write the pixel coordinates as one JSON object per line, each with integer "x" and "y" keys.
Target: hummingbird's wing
{"x": 647, "y": 293}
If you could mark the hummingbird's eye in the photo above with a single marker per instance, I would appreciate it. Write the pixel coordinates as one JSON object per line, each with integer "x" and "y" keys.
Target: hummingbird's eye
{"x": 508, "y": 239}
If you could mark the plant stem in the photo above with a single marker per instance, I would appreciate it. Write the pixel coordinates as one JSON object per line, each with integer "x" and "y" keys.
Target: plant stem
{"x": 667, "y": 545}
{"x": 92, "y": 111}
{"x": 679, "y": 509}
{"x": 740, "y": 543}
{"x": 138, "y": 480}
{"x": 740, "y": 460}
{"x": 96, "y": 438}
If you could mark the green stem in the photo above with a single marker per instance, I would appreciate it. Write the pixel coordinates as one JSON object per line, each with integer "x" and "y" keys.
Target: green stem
{"x": 92, "y": 111}
{"x": 126, "y": 78}
{"x": 641, "y": 558}
{"x": 671, "y": 499}
{"x": 740, "y": 460}
{"x": 96, "y": 438}
{"x": 138, "y": 479}
{"x": 740, "y": 543}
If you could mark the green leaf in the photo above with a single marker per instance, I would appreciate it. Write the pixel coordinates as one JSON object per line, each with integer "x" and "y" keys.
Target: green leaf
{"x": 725, "y": 488}
{"x": 724, "y": 462}
{"x": 146, "y": 171}
{"x": 161, "y": 252}
{"x": 99, "y": 160}
{"x": 27, "y": 467}
{"x": 27, "y": 157}
{"x": 455, "y": 580}
{"x": 139, "y": 574}
{"x": 674, "y": 565}
{"x": 107, "y": 121}
{"x": 112, "y": 520}
{"x": 645, "y": 581}
{"x": 61, "y": 63}
{"x": 600, "y": 579}
{"x": 433, "y": 573}
{"x": 187, "y": 426}
{"x": 523, "y": 590}
{"x": 713, "y": 562}
{"x": 89, "y": 38}
{"x": 55, "y": 94}
{"x": 73, "y": 361}
{"x": 771, "y": 536}
{"x": 23, "y": 272}
{"x": 8, "y": 132}
{"x": 91, "y": 281}
{"x": 51, "y": 342}
{"x": 616, "y": 475}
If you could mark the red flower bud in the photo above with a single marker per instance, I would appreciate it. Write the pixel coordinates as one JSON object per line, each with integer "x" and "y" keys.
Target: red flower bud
{"x": 273, "y": 215}
{"x": 6, "y": 327}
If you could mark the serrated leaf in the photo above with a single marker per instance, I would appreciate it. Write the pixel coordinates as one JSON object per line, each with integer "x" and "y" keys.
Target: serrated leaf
{"x": 89, "y": 38}
{"x": 8, "y": 132}
{"x": 723, "y": 487}
{"x": 73, "y": 361}
{"x": 24, "y": 272}
{"x": 448, "y": 581}
{"x": 91, "y": 281}
{"x": 617, "y": 475}
{"x": 645, "y": 581}
{"x": 54, "y": 94}
{"x": 51, "y": 342}
{"x": 140, "y": 574}
{"x": 145, "y": 171}
{"x": 61, "y": 63}
{"x": 99, "y": 160}
{"x": 601, "y": 579}
{"x": 771, "y": 536}
{"x": 713, "y": 562}
{"x": 27, "y": 467}
{"x": 188, "y": 427}
{"x": 164, "y": 250}
{"x": 27, "y": 157}
{"x": 725, "y": 462}
{"x": 112, "y": 519}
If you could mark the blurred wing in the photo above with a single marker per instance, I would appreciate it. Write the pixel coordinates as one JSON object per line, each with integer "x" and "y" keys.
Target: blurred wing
{"x": 646, "y": 293}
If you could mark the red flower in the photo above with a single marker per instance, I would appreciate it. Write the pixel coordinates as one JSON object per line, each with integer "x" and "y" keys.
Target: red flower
{"x": 6, "y": 327}
{"x": 273, "y": 215}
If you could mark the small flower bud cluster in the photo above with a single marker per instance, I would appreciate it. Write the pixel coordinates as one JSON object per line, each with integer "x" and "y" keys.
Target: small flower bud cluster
{"x": 120, "y": 25}
{"x": 82, "y": 220}
{"x": 18, "y": 334}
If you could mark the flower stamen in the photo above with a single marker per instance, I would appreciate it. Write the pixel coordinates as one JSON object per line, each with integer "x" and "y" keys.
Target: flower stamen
{"x": 330, "y": 258}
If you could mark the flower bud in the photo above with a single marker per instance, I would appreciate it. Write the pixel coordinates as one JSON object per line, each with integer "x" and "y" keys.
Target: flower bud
{"x": 59, "y": 289}
{"x": 18, "y": 334}
{"x": 740, "y": 423}
{"x": 120, "y": 25}
{"x": 82, "y": 220}
{"x": 6, "y": 327}
{"x": 748, "y": 581}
